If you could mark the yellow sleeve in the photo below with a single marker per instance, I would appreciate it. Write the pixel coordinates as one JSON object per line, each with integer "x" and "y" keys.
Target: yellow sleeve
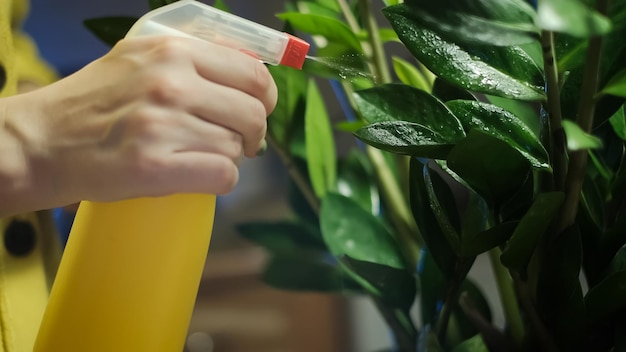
{"x": 28, "y": 63}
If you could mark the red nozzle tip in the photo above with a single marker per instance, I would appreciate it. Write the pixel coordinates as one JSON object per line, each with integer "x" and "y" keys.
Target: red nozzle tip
{"x": 295, "y": 52}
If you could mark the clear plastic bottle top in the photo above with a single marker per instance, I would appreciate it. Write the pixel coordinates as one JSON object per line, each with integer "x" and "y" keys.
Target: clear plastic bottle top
{"x": 198, "y": 20}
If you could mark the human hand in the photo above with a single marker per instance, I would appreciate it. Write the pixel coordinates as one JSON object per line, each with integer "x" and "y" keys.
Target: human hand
{"x": 154, "y": 116}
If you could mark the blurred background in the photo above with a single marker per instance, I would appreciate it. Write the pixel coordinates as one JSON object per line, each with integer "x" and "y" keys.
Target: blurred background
{"x": 235, "y": 311}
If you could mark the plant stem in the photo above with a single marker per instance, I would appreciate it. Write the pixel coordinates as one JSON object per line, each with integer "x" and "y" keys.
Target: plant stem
{"x": 554, "y": 134}
{"x": 296, "y": 176}
{"x": 507, "y": 296}
{"x": 349, "y": 16}
{"x": 586, "y": 109}
{"x": 381, "y": 74}
{"x": 461, "y": 269}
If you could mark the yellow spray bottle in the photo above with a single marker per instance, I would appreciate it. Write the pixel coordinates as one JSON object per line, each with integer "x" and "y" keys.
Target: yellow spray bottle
{"x": 130, "y": 271}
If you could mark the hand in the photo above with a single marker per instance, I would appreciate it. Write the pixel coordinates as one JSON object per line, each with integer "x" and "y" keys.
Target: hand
{"x": 155, "y": 116}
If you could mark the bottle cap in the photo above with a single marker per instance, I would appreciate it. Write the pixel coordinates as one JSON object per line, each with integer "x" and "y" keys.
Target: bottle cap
{"x": 295, "y": 52}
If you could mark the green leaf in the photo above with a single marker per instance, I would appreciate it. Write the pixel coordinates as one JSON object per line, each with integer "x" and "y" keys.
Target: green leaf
{"x": 395, "y": 287}
{"x": 571, "y": 17}
{"x": 445, "y": 91}
{"x": 475, "y": 344}
{"x": 158, "y": 3}
{"x": 503, "y": 125}
{"x": 617, "y": 85}
{"x": 407, "y": 120}
{"x": 409, "y": 74}
{"x": 297, "y": 272}
{"x": 320, "y": 145}
{"x": 618, "y": 121}
{"x": 559, "y": 292}
{"x": 577, "y": 139}
{"x": 355, "y": 180}
{"x": 532, "y": 226}
{"x": 490, "y": 166}
{"x": 350, "y": 230}
{"x": 525, "y": 111}
{"x": 110, "y": 29}
{"x": 444, "y": 208}
{"x": 437, "y": 245}
{"x": 607, "y": 298}
{"x": 282, "y": 236}
{"x": 292, "y": 89}
{"x": 463, "y": 27}
{"x": 330, "y": 28}
{"x": 407, "y": 138}
{"x": 478, "y": 243}
{"x": 454, "y": 64}
{"x": 221, "y": 5}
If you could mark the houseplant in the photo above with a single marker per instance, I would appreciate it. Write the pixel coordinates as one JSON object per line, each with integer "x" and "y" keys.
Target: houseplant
{"x": 501, "y": 133}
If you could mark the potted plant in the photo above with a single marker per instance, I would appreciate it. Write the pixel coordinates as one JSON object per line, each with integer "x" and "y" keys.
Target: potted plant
{"x": 497, "y": 130}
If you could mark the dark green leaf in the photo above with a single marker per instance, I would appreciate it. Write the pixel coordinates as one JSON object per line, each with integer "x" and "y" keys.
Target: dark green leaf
{"x": 618, "y": 121}
{"x": 110, "y": 29}
{"x": 350, "y": 230}
{"x": 297, "y": 272}
{"x": 617, "y": 85}
{"x": 355, "y": 180}
{"x": 432, "y": 287}
{"x": 330, "y": 28}
{"x": 607, "y": 298}
{"x": 158, "y": 3}
{"x": 503, "y": 125}
{"x": 511, "y": 60}
{"x": 443, "y": 205}
{"x": 490, "y": 166}
{"x": 407, "y": 138}
{"x": 461, "y": 26}
{"x": 445, "y": 91}
{"x": 559, "y": 292}
{"x": 525, "y": 111}
{"x": 436, "y": 243}
{"x": 454, "y": 64}
{"x": 292, "y": 88}
{"x": 533, "y": 225}
{"x": 282, "y": 236}
{"x": 395, "y": 287}
{"x": 320, "y": 144}
{"x": 571, "y": 17}
{"x": 478, "y": 243}
{"x": 593, "y": 203}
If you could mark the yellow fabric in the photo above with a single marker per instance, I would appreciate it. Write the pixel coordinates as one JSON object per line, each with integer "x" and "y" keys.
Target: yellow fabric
{"x": 24, "y": 281}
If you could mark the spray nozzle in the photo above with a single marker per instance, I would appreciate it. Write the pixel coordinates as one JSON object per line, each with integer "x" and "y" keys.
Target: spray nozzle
{"x": 194, "y": 19}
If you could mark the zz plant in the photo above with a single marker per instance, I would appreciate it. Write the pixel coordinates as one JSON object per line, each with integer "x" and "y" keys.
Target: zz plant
{"x": 476, "y": 127}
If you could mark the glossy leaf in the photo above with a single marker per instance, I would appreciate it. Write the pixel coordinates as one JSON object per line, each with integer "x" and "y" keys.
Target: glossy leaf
{"x": 500, "y": 10}
{"x": 355, "y": 180}
{"x": 503, "y": 125}
{"x": 452, "y": 63}
{"x": 490, "y": 166}
{"x": 320, "y": 144}
{"x": 436, "y": 243}
{"x": 407, "y": 138}
{"x": 525, "y": 111}
{"x": 577, "y": 139}
{"x": 110, "y": 29}
{"x": 330, "y": 28}
{"x": 297, "y": 272}
{"x": 532, "y": 226}
{"x": 350, "y": 230}
{"x": 571, "y": 17}
{"x": 457, "y": 24}
{"x": 282, "y": 236}
{"x": 409, "y": 74}
{"x": 395, "y": 287}
{"x": 511, "y": 60}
